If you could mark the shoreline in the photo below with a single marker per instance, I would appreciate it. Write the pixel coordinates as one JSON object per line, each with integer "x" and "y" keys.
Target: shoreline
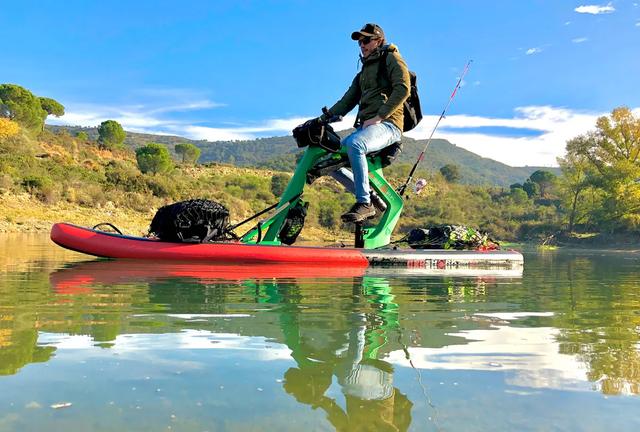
{"x": 25, "y": 214}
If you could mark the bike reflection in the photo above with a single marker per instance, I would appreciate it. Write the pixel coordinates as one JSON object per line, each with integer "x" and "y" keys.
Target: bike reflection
{"x": 366, "y": 381}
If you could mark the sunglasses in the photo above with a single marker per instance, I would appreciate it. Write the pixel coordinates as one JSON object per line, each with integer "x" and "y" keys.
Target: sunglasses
{"x": 365, "y": 40}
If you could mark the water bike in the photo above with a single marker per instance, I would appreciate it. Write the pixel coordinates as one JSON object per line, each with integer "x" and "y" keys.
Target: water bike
{"x": 271, "y": 240}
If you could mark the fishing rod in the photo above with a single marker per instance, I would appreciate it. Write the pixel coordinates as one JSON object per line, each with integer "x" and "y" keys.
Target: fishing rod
{"x": 402, "y": 188}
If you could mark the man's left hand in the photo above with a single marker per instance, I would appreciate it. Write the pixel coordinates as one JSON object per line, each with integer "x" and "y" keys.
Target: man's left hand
{"x": 371, "y": 121}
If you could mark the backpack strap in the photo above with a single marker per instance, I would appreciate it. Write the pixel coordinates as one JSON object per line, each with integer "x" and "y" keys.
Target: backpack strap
{"x": 382, "y": 68}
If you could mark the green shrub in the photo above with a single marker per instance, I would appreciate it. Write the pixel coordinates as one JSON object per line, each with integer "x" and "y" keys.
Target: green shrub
{"x": 162, "y": 187}
{"x": 34, "y": 182}
{"x": 125, "y": 176}
{"x": 137, "y": 201}
{"x": 91, "y": 195}
{"x": 279, "y": 183}
{"x": 49, "y": 193}
{"x": 329, "y": 214}
{"x": 42, "y": 187}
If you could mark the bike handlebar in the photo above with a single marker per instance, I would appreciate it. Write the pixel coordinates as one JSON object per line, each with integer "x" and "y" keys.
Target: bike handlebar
{"x": 330, "y": 118}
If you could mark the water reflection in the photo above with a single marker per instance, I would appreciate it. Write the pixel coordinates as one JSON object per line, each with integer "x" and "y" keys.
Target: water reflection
{"x": 351, "y": 354}
{"x": 361, "y": 349}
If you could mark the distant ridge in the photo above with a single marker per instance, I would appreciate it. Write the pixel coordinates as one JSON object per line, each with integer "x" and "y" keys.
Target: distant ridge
{"x": 280, "y": 153}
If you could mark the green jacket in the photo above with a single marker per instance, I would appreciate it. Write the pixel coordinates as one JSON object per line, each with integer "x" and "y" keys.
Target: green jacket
{"x": 384, "y": 95}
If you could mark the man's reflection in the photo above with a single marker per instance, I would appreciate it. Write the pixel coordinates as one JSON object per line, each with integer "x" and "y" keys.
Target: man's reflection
{"x": 372, "y": 401}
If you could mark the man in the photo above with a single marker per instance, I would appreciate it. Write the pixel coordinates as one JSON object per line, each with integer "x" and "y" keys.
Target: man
{"x": 379, "y": 92}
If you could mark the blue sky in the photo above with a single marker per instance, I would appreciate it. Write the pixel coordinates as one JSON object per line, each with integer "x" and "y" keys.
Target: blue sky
{"x": 542, "y": 70}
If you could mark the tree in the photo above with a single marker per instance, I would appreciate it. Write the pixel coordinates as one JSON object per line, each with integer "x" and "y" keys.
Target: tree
{"x": 544, "y": 179}
{"x": 154, "y": 158}
{"x": 51, "y": 106}
{"x": 574, "y": 182}
{"x": 110, "y": 134}
{"x": 532, "y": 189}
{"x": 519, "y": 196}
{"x": 19, "y": 104}
{"x": 82, "y": 136}
{"x": 612, "y": 154}
{"x": 189, "y": 152}
{"x": 450, "y": 172}
{"x": 616, "y": 139}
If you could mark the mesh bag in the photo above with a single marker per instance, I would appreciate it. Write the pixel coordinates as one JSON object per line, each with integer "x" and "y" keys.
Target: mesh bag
{"x": 192, "y": 221}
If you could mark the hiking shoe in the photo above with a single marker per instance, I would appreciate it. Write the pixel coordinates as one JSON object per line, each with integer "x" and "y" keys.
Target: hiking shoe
{"x": 359, "y": 212}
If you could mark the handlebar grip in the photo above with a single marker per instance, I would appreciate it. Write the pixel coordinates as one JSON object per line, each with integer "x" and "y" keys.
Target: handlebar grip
{"x": 330, "y": 118}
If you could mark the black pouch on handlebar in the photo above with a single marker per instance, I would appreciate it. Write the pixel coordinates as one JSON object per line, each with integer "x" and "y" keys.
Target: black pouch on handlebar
{"x": 314, "y": 133}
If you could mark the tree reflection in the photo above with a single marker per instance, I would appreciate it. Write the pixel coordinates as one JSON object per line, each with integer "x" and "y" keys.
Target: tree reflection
{"x": 598, "y": 322}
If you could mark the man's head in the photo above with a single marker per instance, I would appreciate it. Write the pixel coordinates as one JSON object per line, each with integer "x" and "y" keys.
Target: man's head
{"x": 369, "y": 38}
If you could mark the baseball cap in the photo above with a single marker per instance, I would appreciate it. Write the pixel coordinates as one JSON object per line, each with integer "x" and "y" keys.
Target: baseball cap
{"x": 369, "y": 30}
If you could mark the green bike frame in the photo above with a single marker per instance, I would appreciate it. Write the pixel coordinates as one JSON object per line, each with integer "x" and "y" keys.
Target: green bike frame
{"x": 267, "y": 232}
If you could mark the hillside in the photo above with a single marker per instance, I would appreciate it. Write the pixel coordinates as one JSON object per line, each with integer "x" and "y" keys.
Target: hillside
{"x": 52, "y": 175}
{"x": 280, "y": 153}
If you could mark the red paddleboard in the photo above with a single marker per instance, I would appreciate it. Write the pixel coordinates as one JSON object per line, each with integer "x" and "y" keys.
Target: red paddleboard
{"x": 102, "y": 244}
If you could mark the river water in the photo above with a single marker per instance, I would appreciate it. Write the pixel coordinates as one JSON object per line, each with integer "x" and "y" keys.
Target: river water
{"x": 96, "y": 345}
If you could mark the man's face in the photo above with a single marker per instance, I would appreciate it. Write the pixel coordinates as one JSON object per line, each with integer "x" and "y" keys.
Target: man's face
{"x": 367, "y": 45}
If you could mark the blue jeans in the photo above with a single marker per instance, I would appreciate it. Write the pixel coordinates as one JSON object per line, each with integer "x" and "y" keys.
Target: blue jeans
{"x": 358, "y": 145}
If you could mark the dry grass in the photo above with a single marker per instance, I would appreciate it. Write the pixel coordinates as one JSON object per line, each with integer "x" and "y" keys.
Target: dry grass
{"x": 24, "y": 213}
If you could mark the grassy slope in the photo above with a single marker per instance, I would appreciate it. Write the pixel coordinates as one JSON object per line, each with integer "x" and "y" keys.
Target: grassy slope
{"x": 76, "y": 189}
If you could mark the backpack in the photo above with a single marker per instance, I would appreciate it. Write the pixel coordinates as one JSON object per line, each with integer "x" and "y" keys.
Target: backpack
{"x": 411, "y": 107}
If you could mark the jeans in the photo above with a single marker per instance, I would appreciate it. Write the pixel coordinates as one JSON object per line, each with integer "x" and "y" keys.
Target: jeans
{"x": 359, "y": 144}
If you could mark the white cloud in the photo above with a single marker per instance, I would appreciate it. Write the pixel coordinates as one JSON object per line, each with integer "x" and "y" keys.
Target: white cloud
{"x": 211, "y": 134}
{"x": 638, "y": 24}
{"x": 556, "y": 126}
{"x": 531, "y": 51}
{"x": 595, "y": 9}
{"x": 526, "y": 357}
{"x": 579, "y": 40}
{"x": 273, "y": 127}
{"x": 134, "y": 116}
{"x": 190, "y": 106}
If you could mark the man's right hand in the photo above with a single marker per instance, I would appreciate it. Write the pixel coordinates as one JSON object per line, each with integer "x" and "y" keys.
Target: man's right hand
{"x": 372, "y": 121}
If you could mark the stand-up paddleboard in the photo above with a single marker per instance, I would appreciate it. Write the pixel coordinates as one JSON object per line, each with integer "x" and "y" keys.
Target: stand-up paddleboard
{"x": 102, "y": 244}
